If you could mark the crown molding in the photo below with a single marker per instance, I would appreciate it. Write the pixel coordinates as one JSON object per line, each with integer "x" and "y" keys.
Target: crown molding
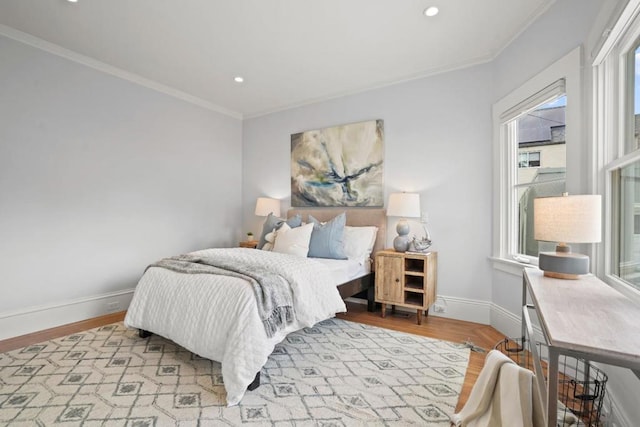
{"x": 379, "y": 85}
{"x": 87, "y": 61}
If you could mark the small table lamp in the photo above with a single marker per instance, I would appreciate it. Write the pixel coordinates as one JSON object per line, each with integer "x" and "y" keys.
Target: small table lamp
{"x": 566, "y": 219}
{"x": 265, "y": 206}
{"x": 403, "y": 205}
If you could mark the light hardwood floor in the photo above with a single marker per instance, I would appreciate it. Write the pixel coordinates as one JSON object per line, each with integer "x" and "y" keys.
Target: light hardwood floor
{"x": 435, "y": 327}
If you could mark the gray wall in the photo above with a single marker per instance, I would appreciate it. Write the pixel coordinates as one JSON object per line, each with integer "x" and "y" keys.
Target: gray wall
{"x": 437, "y": 143}
{"x": 99, "y": 177}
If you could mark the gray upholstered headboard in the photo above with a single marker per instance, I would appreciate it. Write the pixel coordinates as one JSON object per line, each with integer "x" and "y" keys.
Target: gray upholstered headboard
{"x": 356, "y": 217}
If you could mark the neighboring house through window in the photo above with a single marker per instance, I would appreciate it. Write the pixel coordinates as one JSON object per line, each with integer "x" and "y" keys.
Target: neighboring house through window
{"x": 535, "y": 131}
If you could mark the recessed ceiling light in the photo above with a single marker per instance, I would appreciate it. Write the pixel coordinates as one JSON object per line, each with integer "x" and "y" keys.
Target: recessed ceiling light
{"x": 238, "y": 79}
{"x": 431, "y": 11}
{"x": 72, "y": 1}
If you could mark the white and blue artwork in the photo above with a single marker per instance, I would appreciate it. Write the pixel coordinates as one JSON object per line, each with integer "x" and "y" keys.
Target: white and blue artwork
{"x": 338, "y": 166}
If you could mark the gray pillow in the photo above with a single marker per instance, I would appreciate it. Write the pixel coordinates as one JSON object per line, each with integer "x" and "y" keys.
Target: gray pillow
{"x": 326, "y": 239}
{"x": 273, "y": 221}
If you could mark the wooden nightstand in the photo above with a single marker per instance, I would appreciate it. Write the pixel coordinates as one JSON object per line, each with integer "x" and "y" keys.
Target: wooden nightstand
{"x": 249, "y": 244}
{"x": 406, "y": 280}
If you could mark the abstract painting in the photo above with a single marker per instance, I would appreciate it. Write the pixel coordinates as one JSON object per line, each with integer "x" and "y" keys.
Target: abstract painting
{"x": 338, "y": 166}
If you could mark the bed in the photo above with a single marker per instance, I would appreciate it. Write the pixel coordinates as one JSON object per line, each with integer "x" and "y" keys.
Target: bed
{"x": 216, "y": 316}
{"x": 363, "y": 286}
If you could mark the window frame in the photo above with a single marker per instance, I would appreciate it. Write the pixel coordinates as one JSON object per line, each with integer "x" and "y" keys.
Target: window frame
{"x": 611, "y": 128}
{"x": 505, "y": 156}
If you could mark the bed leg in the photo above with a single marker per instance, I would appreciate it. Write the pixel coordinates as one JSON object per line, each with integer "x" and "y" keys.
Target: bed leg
{"x": 143, "y": 334}
{"x": 256, "y": 382}
{"x": 371, "y": 297}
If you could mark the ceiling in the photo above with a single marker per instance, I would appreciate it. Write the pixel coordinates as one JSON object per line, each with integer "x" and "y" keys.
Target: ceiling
{"x": 290, "y": 52}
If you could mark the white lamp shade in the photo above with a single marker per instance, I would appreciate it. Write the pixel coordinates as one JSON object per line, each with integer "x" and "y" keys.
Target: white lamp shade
{"x": 265, "y": 206}
{"x": 568, "y": 219}
{"x": 404, "y": 205}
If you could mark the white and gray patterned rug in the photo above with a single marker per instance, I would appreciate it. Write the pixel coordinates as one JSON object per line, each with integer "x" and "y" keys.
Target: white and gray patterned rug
{"x": 337, "y": 373}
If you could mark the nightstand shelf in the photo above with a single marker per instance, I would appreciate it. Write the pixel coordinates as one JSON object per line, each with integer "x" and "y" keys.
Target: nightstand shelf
{"x": 414, "y": 266}
{"x": 414, "y": 299}
{"x": 413, "y": 285}
{"x": 406, "y": 280}
{"x": 249, "y": 244}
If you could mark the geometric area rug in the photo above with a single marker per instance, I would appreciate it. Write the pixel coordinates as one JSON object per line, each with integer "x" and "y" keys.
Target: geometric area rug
{"x": 337, "y": 373}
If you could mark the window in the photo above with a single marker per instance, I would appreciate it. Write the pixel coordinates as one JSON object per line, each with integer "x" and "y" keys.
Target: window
{"x": 627, "y": 186}
{"x": 534, "y": 126}
{"x": 529, "y": 159}
{"x": 617, "y": 141}
{"x": 533, "y": 129}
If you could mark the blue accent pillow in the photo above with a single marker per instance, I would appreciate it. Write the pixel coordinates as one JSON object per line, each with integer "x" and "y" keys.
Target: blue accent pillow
{"x": 273, "y": 221}
{"x": 326, "y": 239}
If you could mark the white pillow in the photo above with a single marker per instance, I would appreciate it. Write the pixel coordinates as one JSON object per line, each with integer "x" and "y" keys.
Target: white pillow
{"x": 294, "y": 241}
{"x": 270, "y": 239}
{"x": 358, "y": 242}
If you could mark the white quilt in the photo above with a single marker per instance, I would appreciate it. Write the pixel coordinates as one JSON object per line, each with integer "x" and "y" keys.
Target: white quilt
{"x": 217, "y": 317}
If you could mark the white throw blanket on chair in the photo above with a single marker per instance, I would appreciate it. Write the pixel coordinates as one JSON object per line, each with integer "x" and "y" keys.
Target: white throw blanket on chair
{"x": 504, "y": 395}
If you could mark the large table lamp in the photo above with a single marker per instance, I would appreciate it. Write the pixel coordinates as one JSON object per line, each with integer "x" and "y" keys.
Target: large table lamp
{"x": 403, "y": 205}
{"x": 566, "y": 219}
{"x": 265, "y": 206}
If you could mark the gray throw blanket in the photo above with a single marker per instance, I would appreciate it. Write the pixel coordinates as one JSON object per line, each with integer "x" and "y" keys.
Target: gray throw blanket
{"x": 273, "y": 292}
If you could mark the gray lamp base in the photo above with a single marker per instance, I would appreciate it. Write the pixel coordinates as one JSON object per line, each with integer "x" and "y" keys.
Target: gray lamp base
{"x": 401, "y": 242}
{"x": 563, "y": 265}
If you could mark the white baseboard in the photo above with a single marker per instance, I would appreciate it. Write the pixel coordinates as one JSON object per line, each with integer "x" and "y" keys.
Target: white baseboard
{"x": 510, "y": 324}
{"x": 617, "y": 417}
{"x": 454, "y": 308}
{"x": 33, "y": 319}
{"x": 483, "y": 312}
{"x": 505, "y": 321}
{"x": 462, "y": 309}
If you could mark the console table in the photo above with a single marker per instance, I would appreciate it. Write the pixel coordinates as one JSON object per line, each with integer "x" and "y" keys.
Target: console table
{"x": 586, "y": 319}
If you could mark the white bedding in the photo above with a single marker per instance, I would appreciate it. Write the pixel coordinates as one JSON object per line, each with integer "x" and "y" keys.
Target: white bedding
{"x": 217, "y": 317}
{"x": 344, "y": 270}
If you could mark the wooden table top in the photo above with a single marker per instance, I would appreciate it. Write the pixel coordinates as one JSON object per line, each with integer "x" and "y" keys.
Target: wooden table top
{"x": 587, "y": 316}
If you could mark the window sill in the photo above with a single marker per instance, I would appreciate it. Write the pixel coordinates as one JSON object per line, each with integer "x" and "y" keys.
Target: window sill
{"x": 510, "y": 266}
{"x": 623, "y": 287}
